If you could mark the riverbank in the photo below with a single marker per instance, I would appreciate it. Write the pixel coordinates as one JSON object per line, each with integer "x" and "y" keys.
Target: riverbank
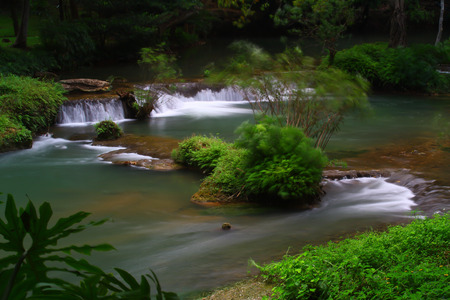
{"x": 406, "y": 261}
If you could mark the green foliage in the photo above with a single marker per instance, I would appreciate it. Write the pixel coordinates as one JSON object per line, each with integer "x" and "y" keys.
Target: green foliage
{"x": 290, "y": 88}
{"x": 69, "y": 42}
{"x": 280, "y": 162}
{"x": 18, "y": 62}
{"x": 412, "y": 68}
{"x": 403, "y": 263}
{"x": 324, "y": 20}
{"x": 107, "y": 130}
{"x": 30, "y": 102}
{"x": 228, "y": 177}
{"x": 158, "y": 63}
{"x": 13, "y": 135}
{"x": 268, "y": 163}
{"x": 30, "y": 268}
{"x": 200, "y": 152}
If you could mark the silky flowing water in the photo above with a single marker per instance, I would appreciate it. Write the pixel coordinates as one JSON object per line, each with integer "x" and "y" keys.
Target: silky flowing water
{"x": 153, "y": 223}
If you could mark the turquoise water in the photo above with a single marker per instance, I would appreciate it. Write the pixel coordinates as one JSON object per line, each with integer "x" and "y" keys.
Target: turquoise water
{"x": 153, "y": 223}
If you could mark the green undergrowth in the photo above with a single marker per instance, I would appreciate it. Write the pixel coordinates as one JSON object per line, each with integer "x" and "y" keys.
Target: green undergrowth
{"x": 409, "y": 69}
{"x": 27, "y": 107}
{"x": 410, "y": 262}
{"x": 267, "y": 164}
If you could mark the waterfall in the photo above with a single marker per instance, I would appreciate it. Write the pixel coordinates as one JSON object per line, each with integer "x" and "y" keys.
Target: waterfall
{"x": 205, "y": 101}
{"x": 87, "y": 110}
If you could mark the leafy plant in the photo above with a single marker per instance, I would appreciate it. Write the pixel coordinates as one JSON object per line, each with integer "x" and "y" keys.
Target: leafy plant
{"x": 108, "y": 130}
{"x": 30, "y": 269}
{"x": 408, "y": 262}
{"x": 280, "y": 162}
{"x": 159, "y": 63}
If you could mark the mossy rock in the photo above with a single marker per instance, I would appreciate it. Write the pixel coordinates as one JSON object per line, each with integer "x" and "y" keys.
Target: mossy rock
{"x": 108, "y": 130}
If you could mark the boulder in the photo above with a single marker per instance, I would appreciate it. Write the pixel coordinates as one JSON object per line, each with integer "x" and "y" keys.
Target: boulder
{"x": 85, "y": 85}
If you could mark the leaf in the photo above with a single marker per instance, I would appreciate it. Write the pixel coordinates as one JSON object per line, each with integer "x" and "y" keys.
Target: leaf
{"x": 82, "y": 265}
{"x": 128, "y": 278}
{"x": 86, "y": 249}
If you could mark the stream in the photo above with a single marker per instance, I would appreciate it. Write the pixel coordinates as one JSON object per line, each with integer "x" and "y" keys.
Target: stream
{"x": 153, "y": 225}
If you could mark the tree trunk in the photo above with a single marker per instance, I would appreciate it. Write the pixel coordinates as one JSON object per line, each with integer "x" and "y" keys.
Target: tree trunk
{"x": 441, "y": 24}
{"x": 21, "y": 39}
{"x": 61, "y": 10}
{"x": 73, "y": 9}
{"x": 398, "y": 24}
{"x": 15, "y": 19}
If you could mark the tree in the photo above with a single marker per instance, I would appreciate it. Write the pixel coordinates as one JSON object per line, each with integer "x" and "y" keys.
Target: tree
{"x": 441, "y": 23}
{"x": 21, "y": 38}
{"x": 325, "y": 20}
{"x": 397, "y": 36}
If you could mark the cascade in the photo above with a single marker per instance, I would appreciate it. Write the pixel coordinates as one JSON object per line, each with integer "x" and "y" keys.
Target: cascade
{"x": 87, "y": 110}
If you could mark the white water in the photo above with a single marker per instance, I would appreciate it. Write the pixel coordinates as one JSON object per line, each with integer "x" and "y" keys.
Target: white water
{"x": 90, "y": 111}
{"x": 204, "y": 103}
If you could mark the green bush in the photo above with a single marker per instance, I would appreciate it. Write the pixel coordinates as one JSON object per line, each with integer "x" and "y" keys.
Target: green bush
{"x": 267, "y": 163}
{"x": 411, "y": 68}
{"x": 229, "y": 175}
{"x": 403, "y": 263}
{"x": 280, "y": 162}
{"x": 107, "y": 130}
{"x": 200, "y": 152}
{"x": 69, "y": 42}
{"x": 13, "y": 136}
{"x": 30, "y": 102}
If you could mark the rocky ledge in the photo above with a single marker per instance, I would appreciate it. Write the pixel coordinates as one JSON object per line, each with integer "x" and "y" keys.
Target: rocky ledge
{"x": 151, "y": 152}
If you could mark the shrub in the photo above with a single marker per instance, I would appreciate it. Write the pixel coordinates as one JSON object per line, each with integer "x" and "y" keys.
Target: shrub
{"x": 280, "y": 162}
{"x": 267, "y": 163}
{"x": 200, "y": 152}
{"x": 30, "y": 102}
{"x": 107, "y": 130}
{"x": 13, "y": 136}
{"x": 412, "y": 68}
{"x": 403, "y": 263}
{"x": 229, "y": 175}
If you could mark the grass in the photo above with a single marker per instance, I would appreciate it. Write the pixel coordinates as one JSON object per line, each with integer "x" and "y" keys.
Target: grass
{"x": 410, "y": 262}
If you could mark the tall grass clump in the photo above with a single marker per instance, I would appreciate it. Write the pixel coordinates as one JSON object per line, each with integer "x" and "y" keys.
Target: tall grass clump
{"x": 201, "y": 152}
{"x": 410, "y": 262}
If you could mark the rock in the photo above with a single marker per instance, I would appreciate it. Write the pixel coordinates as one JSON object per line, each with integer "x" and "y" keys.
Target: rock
{"x": 349, "y": 174}
{"x": 85, "y": 85}
{"x": 226, "y": 226}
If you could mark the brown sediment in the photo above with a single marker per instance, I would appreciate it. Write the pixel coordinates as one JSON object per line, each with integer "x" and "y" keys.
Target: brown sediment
{"x": 426, "y": 157}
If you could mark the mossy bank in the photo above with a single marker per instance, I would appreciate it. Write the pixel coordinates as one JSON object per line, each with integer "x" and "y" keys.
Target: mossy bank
{"x": 27, "y": 107}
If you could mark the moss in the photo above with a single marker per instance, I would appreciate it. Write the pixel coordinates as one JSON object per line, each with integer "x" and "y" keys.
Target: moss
{"x": 13, "y": 136}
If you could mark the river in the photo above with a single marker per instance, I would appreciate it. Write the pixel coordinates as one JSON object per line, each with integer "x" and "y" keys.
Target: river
{"x": 154, "y": 225}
